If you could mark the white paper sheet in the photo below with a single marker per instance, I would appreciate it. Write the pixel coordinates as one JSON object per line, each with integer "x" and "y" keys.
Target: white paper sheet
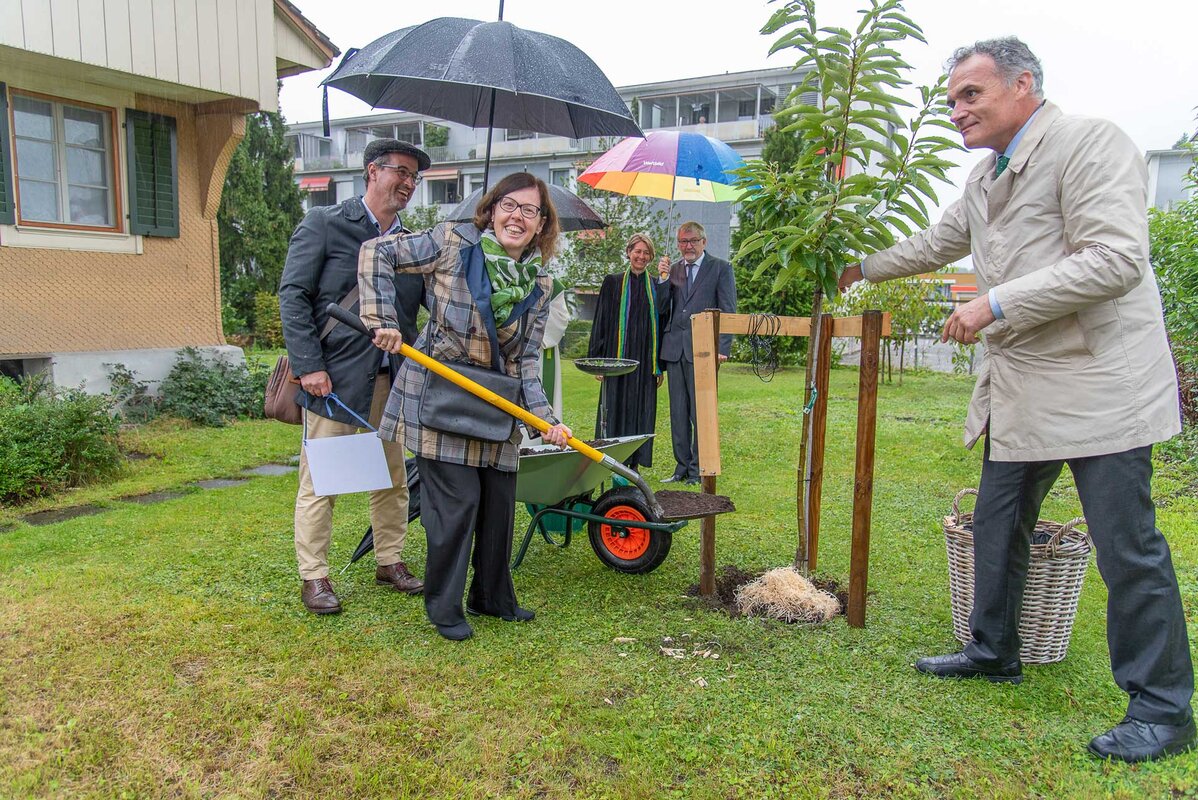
{"x": 347, "y": 464}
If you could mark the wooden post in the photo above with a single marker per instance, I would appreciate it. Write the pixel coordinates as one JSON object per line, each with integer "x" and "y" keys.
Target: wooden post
{"x": 707, "y": 526}
{"x": 863, "y": 483}
{"x": 705, "y": 344}
{"x": 819, "y": 429}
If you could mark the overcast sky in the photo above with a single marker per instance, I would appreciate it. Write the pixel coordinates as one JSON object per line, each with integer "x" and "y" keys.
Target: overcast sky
{"x": 1132, "y": 62}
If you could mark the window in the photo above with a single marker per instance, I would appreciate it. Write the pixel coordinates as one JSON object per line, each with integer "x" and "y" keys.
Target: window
{"x": 561, "y": 177}
{"x": 744, "y": 109}
{"x": 322, "y": 197}
{"x": 64, "y": 163}
{"x": 408, "y": 132}
{"x": 443, "y": 192}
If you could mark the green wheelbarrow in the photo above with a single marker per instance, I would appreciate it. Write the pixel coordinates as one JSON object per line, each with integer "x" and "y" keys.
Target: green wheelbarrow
{"x": 624, "y": 532}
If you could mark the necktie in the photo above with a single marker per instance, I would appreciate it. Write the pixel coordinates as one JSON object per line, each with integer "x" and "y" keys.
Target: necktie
{"x": 1001, "y": 166}
{"x": 690, "y": 276}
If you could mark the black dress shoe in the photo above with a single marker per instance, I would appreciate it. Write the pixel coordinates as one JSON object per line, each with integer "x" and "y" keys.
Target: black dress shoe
{"x": 521, "y": 615}
{"x": 674, "y": 479}
{"x": 1132, "y": 740}
{"x": 692, "y": 481}
{"x": 456, "y": 633}
{"x": 959, "y": 665}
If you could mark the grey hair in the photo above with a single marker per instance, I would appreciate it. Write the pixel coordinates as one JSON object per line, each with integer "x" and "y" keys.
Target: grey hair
{"x": 694, "y": 228}
{"x": 1011, "y": 56}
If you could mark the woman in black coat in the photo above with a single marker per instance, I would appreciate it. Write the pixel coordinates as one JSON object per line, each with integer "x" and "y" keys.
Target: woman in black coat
{"x": 628, "y": 325}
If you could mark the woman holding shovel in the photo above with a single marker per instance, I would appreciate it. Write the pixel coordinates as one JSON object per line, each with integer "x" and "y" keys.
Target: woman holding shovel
{"x": 488, "y": 297}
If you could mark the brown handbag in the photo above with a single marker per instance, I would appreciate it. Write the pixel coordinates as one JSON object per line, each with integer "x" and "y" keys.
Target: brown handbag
{"x": 282, "y": 388}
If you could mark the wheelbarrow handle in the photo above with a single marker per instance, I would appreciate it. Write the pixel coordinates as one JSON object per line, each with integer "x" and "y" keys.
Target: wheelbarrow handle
{"x": 525, "y": 416}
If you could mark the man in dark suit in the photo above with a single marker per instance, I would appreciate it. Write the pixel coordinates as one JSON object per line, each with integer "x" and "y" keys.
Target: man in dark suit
{"x": 696, "y": 282}
{"x": 322, "y": 268}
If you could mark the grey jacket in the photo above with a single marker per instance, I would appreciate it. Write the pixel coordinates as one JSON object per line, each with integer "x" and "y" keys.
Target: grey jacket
{"x": 321, "y": 268}
{"x": 715, "y": 287}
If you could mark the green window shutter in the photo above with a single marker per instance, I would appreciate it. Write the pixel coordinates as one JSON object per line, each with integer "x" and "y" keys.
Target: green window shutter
{"x": 152, "y": 152}
{"x": 8, "y": 204}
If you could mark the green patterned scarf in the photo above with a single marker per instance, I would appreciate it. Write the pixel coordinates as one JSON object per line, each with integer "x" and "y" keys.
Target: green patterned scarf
{"x": 511, "y": 280}
{"x": 625, "y": 299}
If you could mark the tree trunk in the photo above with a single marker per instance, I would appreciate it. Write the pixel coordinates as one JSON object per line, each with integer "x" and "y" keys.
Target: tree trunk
{"x": 803, "y": 482}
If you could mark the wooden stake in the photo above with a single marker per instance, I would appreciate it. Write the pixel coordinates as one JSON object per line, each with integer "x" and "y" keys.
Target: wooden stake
{"x": 819, "y": 429}
{"x": 705, "y": 344}
{"x": 709, "y": 442}
{"x": 707, "y": 545}
{"x": 863, "y": 484}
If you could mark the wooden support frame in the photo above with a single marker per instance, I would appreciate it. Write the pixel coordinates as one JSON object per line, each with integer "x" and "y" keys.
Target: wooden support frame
{"x": 706, "y": 328}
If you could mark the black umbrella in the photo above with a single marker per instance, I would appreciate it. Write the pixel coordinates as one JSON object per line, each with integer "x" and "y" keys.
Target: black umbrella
{"x": 486, "y": 74}
{"x": 367, "y": 543}
{"x": 573, "y": 214}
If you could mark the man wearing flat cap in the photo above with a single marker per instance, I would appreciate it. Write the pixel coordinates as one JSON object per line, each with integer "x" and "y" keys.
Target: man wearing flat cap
{"x": 322, "y": 268}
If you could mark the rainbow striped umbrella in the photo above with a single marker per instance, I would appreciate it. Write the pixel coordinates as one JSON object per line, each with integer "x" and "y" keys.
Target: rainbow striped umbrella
{"x": 671, "y": 165}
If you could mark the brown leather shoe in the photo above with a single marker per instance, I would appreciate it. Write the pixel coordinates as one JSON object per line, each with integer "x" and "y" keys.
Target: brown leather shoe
{"x": 319, "y": 597}
{"x": 397, "y": 575}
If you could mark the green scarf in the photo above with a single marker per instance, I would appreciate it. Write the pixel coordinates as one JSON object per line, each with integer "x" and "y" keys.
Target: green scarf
{"x": 511, "y": 280}
{"x": 625, "y": 299}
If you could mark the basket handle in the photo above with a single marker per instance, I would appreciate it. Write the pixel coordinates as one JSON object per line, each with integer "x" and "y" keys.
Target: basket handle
{"x": 1068, "y": 527}
{"x": 955, "y": 516}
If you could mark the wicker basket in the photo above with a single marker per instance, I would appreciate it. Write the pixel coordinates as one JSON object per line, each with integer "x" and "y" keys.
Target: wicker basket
{"x": 1056, "y": 569}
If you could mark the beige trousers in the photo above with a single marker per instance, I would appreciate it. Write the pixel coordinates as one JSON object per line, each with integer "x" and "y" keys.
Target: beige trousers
{"x": 388, "y": 508}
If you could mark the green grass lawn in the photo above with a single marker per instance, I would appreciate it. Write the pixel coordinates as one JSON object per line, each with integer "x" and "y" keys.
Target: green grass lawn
{"x": 163, "y": 651}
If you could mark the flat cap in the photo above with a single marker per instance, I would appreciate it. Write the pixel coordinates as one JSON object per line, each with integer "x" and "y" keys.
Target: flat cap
{"x": 381, "y": 147}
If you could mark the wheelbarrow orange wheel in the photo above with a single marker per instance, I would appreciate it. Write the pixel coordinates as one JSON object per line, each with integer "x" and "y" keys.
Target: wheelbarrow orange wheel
{"x": 627, "y": 549}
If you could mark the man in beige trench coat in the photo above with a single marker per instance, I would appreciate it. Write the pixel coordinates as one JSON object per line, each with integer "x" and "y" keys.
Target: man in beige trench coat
{"x": 1077, "y": 372}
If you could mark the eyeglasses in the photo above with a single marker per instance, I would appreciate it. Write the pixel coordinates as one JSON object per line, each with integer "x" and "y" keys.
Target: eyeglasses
{"x": 690, "y": 241}
{"x": 527, "y": 210}
{"x": 403, "y": 173}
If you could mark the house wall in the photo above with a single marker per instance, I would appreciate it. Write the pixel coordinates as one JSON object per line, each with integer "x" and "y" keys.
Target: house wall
{"x": 222, "y": 46}
{"x": 159, "y": 293}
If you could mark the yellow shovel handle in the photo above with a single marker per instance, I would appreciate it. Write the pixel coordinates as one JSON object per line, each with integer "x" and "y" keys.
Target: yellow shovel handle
{"x": 482, "y": 392}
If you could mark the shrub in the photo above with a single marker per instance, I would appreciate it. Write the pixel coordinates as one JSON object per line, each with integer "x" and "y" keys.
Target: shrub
{"x": 576, "y": 340}
{"x": 268, "y": 325}
{"x": 232, "y": 322}
{"x": 213, "y": 391}
{"x": 50, "y": 440}
{"x": 131, "y": 398}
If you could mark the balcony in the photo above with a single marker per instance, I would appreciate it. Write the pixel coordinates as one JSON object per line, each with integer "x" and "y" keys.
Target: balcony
{"x": 732, "y": 131}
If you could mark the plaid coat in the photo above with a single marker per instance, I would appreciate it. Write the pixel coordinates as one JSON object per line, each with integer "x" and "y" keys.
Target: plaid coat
{"x": 456, "y": 284}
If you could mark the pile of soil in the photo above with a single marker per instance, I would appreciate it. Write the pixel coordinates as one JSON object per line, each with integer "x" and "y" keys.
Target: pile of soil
{"x": 729, "y": 578}
{"x": 596, "y": 443}
{"x": 692, "y": 505}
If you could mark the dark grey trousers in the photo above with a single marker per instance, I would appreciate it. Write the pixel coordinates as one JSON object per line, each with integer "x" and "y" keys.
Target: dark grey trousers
{"x": 684, "y": 419}
{"x": 461, "y": 505}
{"x": 1146, "y": 629}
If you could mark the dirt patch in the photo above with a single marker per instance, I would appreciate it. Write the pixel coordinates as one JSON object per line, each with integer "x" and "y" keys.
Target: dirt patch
{"x": 189, "y": 671}
{"x": 152, "y": 497}
{"x": 271, "y": 470}
{"x": 220, "y": 483}
{"x": 692, "y": 505}
{"x": 730, "y": 578}
{"x": 137, "y": 455}
{"x": 60, "y": 514}
{"x": 595, "y": 443}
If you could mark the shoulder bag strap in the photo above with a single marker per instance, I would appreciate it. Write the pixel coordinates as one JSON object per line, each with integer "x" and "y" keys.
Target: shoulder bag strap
{"x": 345, "y": 303}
